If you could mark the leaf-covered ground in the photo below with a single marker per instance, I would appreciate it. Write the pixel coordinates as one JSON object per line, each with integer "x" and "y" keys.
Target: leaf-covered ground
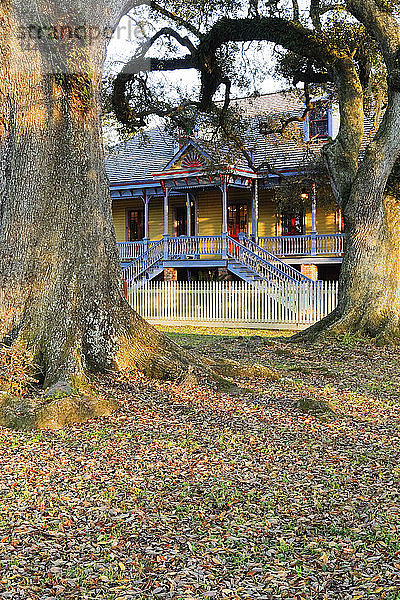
{"x": 288, "y": 490}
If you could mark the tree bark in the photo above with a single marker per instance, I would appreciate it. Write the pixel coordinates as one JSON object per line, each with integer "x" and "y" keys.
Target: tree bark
{"x": 369, "y": 288}
{"x": 60, "y": 281}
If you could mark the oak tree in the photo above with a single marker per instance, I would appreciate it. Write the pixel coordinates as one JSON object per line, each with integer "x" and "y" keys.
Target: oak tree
{"x": 61, "y": 294}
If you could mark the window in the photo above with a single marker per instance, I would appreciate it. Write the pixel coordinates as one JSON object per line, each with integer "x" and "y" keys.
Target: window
{"x": 181, "y": 220}
{"x": 318, "y": 120}
{"x": 237, "y": 219}
{"x": 292, "y": 223}
{"x": 134, "y": 225}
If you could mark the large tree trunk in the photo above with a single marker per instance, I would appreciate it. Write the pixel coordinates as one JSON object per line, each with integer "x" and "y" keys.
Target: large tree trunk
{"x": 369, "y": 290}
{"x": 370, "y": 278}
{"x": 60, "y": 281}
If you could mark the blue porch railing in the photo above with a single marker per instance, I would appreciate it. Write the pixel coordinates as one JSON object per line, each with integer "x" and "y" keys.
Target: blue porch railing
{"x": 313, "y": 244}
{"x": 250, "y": 260}
{"x": 213, "y": 245}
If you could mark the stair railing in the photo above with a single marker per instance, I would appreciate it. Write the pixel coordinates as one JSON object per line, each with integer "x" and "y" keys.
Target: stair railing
{"x": 144, "y": 262}
{"x": 255, "y": 263}
{"x": 274, "y": 260}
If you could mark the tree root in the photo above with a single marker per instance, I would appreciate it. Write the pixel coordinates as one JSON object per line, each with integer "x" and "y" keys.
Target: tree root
{"x": 144, "y": 349}
{"x": 54, "y": 413}
{"x": 236, "y": 370}
{"x": 357, "y": 325}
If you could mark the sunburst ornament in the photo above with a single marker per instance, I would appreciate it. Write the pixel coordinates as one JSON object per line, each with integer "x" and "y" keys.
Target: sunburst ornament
{"x": 192, "y": 160}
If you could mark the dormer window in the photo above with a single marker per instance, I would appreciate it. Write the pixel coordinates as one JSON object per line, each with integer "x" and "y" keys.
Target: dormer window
{"x": 318, "y": 120}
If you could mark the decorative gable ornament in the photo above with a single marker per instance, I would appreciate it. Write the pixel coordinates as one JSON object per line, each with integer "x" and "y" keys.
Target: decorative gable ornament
{"x": 192, "y": 160}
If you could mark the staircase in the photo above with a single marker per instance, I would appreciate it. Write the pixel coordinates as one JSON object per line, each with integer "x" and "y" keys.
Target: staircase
{"x": 243, "y": 272}
{"x": 145, "y": 267}
{"x": 245, "y": 259}
{"x": 252, "y": 263}
{"x": 288, "y": 272}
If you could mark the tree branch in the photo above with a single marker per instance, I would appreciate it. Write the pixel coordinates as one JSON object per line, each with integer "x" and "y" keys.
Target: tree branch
{"x": 315, "y": 14}
{"x": 119, "y": 100}
{"x": 168, "y": 32}
{"x": 288, "y": 34}
{"x": 341, "y": 155}
{"x": 296, "y": 11}
{"x": 176, "y": 18}
{"x": 384, "y": 29}
{"x": 285, "y": 123}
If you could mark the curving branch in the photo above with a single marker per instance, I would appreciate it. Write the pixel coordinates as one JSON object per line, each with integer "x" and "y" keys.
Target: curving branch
{"x": 167, "y": 32}
{"x": 283, "y": 32}
{"x": 119, "y": 99}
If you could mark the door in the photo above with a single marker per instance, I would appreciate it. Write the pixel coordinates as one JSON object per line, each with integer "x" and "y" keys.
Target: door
{"x": 237, "y": 219}
{"x": 180, "y": 221}
{"x": 135, "y": 225}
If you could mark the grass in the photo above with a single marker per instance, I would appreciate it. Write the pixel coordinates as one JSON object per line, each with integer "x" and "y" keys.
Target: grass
{"x": 290, "y": 490}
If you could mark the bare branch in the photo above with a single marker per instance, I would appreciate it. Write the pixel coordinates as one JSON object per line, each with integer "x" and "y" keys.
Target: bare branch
{"x": 285, "y": 123}
{"x": 167, "y": 32}
{"x": 296, "y": 11}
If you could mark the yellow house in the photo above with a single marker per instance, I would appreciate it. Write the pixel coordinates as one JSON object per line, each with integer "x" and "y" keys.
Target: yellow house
{"x": 177, "y": 216}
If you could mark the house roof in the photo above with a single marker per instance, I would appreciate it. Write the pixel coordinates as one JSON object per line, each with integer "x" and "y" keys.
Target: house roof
{"x": 138, "y": 159}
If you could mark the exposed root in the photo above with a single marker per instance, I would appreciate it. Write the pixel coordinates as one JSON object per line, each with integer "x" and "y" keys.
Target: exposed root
{"x": 355, "y": 323}
{"x": 72, "y": 409}
{"x": 236, "y": 370}
{"x": 323, "y": 328}
{"x": 54, "y": 413}
{"x": 72, "y": 400}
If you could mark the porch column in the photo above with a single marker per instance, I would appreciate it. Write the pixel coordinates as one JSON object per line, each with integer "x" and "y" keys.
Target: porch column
{"x": 224, "y": 217}
{"x": 165, "y": 236}
{"x": 196, "y": 213}
{"x": 166, "y": 194}
{"x": 224, "y": 205}
{"x": 188, "y": 214}
{"x": 254, "y": 211}
{"x": 146, "y": 200}
{"x": 313, "y": 219}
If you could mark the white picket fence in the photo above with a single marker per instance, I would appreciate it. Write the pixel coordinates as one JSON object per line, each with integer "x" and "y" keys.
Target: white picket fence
{"x": 234, "y": 304}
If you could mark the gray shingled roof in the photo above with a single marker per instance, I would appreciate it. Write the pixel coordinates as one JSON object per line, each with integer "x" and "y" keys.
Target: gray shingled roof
{"x": 136, "y": 159}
